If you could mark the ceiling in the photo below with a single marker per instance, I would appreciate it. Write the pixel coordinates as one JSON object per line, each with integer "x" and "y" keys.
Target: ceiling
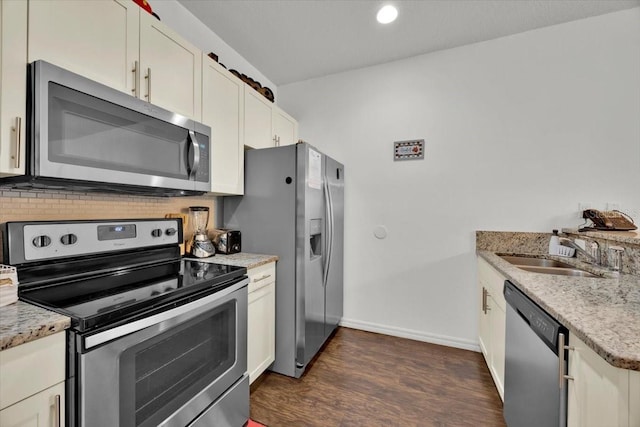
{"x": 294, "y": 40}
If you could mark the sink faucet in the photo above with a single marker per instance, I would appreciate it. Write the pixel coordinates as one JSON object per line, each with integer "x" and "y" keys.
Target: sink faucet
{"x": 593, "y": 254}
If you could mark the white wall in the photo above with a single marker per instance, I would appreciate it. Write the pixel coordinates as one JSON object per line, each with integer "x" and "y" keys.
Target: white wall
{"x": 518, "y": 131}
{"x": 182, "y": 21}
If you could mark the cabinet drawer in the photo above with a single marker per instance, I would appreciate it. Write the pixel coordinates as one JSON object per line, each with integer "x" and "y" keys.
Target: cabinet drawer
{"x": 30, "y": 368}
{"x": 261, "y": 276}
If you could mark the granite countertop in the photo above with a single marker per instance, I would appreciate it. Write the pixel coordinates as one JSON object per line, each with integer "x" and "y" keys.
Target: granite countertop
{"x": 242, "y": 259}
{"x": 601, "y": 311}
{"x": 630, "y": 237}
{"x": 22, "y": 322}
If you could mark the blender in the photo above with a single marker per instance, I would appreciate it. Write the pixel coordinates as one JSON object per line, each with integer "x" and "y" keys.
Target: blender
{"x": 201, "y": 245}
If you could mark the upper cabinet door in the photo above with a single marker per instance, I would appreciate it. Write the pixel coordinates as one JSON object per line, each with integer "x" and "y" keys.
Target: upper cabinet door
{"x": 96, "y": 39}
{"x": 222, "y": 110}
{"x": 13, "y": 80}
{"x": 285, "y": 127}
{"x": 257, "y": 118}
{"x": 171, "y": 69}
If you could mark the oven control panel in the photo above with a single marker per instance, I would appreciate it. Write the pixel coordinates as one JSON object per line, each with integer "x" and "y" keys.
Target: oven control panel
{"x": 45, "y": 240}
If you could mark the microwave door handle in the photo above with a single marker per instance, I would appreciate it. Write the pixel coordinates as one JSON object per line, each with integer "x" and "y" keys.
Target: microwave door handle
{"x": 193, "y": 169}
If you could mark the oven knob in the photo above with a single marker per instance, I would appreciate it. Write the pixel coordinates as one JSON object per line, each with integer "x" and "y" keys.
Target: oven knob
{"x": 68, "y": 239}
{"x": 41, "y": 241}
{"x": 156, "y": 232}
{"x": 171, "y": 231}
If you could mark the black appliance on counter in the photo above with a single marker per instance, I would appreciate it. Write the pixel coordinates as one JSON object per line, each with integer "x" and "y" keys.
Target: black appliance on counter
{"x": 226, "y": 241}
{"x": 155, "y": 340}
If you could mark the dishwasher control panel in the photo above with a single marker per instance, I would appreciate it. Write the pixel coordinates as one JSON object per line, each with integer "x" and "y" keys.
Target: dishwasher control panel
{"x": 545, "y": 326}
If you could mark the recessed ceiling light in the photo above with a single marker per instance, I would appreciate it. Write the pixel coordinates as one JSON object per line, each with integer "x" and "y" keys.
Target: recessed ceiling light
{"x": 387, "y": 14}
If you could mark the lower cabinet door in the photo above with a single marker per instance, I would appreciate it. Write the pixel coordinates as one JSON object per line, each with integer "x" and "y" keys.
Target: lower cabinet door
{"x": 44, "y": 409}
{"x": 261, "y": 344}
{"x": 598, "y": 395}
{"x": 484, "y": 324}
{"x": 498, "y": 337}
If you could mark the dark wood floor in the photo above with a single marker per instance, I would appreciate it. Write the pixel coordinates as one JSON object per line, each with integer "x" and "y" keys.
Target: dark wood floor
{"x": 366, "y": 379}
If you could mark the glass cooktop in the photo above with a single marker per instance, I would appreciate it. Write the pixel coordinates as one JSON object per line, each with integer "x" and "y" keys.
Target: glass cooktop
{"x": 108, "y": 299}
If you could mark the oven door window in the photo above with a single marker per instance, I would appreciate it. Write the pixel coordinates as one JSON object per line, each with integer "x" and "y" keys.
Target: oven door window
{"x": 161, "y": 374}
{"x": 90, "y": 132}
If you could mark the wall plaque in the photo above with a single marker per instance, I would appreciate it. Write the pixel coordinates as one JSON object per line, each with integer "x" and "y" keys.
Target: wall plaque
{"x": 408, "y": 150}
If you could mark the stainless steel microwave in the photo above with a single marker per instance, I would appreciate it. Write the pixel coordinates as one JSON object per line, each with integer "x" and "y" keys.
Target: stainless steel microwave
{"x": 87, "y": 136}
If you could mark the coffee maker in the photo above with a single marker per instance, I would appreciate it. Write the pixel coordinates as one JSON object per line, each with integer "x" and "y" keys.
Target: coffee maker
{"x": 201, "y": 245}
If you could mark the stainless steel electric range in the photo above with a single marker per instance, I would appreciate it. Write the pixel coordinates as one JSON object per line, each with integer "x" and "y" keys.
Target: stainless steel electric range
{"x": 155, "y": 340}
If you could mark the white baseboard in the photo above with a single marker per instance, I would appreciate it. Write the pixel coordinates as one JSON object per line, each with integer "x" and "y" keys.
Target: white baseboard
{"x": 411, "y": 334}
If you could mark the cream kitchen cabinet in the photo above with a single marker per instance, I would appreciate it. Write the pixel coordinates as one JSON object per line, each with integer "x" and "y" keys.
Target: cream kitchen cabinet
{"x": 266, "y": 125}
{"x": 96, "y": 39}
{"x": 170, "y": 69}
{"x": 222, "y": 110}
{"x": 492, "y": 322}
{"x": 13, "y": 80}
{"x": 120, "y": 45}
{"x": 32, "y": 387}
{"x": 285, "y": 127}
{"x": 257, "y": 120}
{"x": 261, "y": 337}
{"x": 600, "y": 394}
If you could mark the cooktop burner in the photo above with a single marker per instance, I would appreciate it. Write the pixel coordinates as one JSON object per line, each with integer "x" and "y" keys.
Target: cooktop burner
{"x": 108, "y": 298}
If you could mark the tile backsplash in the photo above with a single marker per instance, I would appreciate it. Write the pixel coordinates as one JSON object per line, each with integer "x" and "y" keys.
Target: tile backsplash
{"x": 38, "y": 205}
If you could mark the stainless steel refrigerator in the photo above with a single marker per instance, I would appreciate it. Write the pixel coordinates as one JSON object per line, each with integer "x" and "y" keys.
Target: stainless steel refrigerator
{"x": 293, "y": 207}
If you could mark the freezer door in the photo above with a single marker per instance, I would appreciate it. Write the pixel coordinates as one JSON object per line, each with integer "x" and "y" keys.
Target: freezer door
{"x": 310, "y": 249}
{"x": 334, "y": 196}
{"x": 266, "y": 214}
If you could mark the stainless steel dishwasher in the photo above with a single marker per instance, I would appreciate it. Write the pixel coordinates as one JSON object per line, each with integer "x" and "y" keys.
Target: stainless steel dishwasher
{"x": 535, "y": 392}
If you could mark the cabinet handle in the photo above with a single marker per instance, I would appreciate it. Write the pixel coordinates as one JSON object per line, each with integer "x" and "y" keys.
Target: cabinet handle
{"x": 561, "y": 362}
{"x": 148, "y": 78}
{"x": 266, "y": 276}
{"x": 57, "y": 414}
{"x": 135, "y": 79}
{"x": 18, "y": 138}
{"x": 278, "y": 144}
{"x": 275, "y": 140}
{"x": 485, "y": 306}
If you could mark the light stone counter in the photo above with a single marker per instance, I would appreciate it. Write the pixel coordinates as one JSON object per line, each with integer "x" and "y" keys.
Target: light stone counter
{"x": 630, "y": 237}
{"x": 242, "y": 259}
{"x": 604, "y": 312}
{"x": 22, "y": 322}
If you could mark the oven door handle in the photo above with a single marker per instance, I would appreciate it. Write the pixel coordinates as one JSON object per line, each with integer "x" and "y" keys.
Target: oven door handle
{"x": 120, "y": 331}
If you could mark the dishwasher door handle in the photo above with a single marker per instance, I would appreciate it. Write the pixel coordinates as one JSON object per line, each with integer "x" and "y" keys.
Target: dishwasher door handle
{"x": 561, "y": 360}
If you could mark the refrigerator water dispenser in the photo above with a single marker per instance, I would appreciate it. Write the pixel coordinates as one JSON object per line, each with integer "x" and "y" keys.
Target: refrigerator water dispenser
{"x": 315, "y": 238}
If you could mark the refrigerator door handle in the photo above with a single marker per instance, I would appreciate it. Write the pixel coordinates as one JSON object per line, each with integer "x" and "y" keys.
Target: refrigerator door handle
{"x": 328, "y": 232}
{"x": 329, "y": 238}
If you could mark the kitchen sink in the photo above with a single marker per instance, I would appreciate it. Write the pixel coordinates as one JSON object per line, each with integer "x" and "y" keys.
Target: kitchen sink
{"x": 537, "y": 262}
{"x": 560, "y": 271}
{"x": 546, "y": 266}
